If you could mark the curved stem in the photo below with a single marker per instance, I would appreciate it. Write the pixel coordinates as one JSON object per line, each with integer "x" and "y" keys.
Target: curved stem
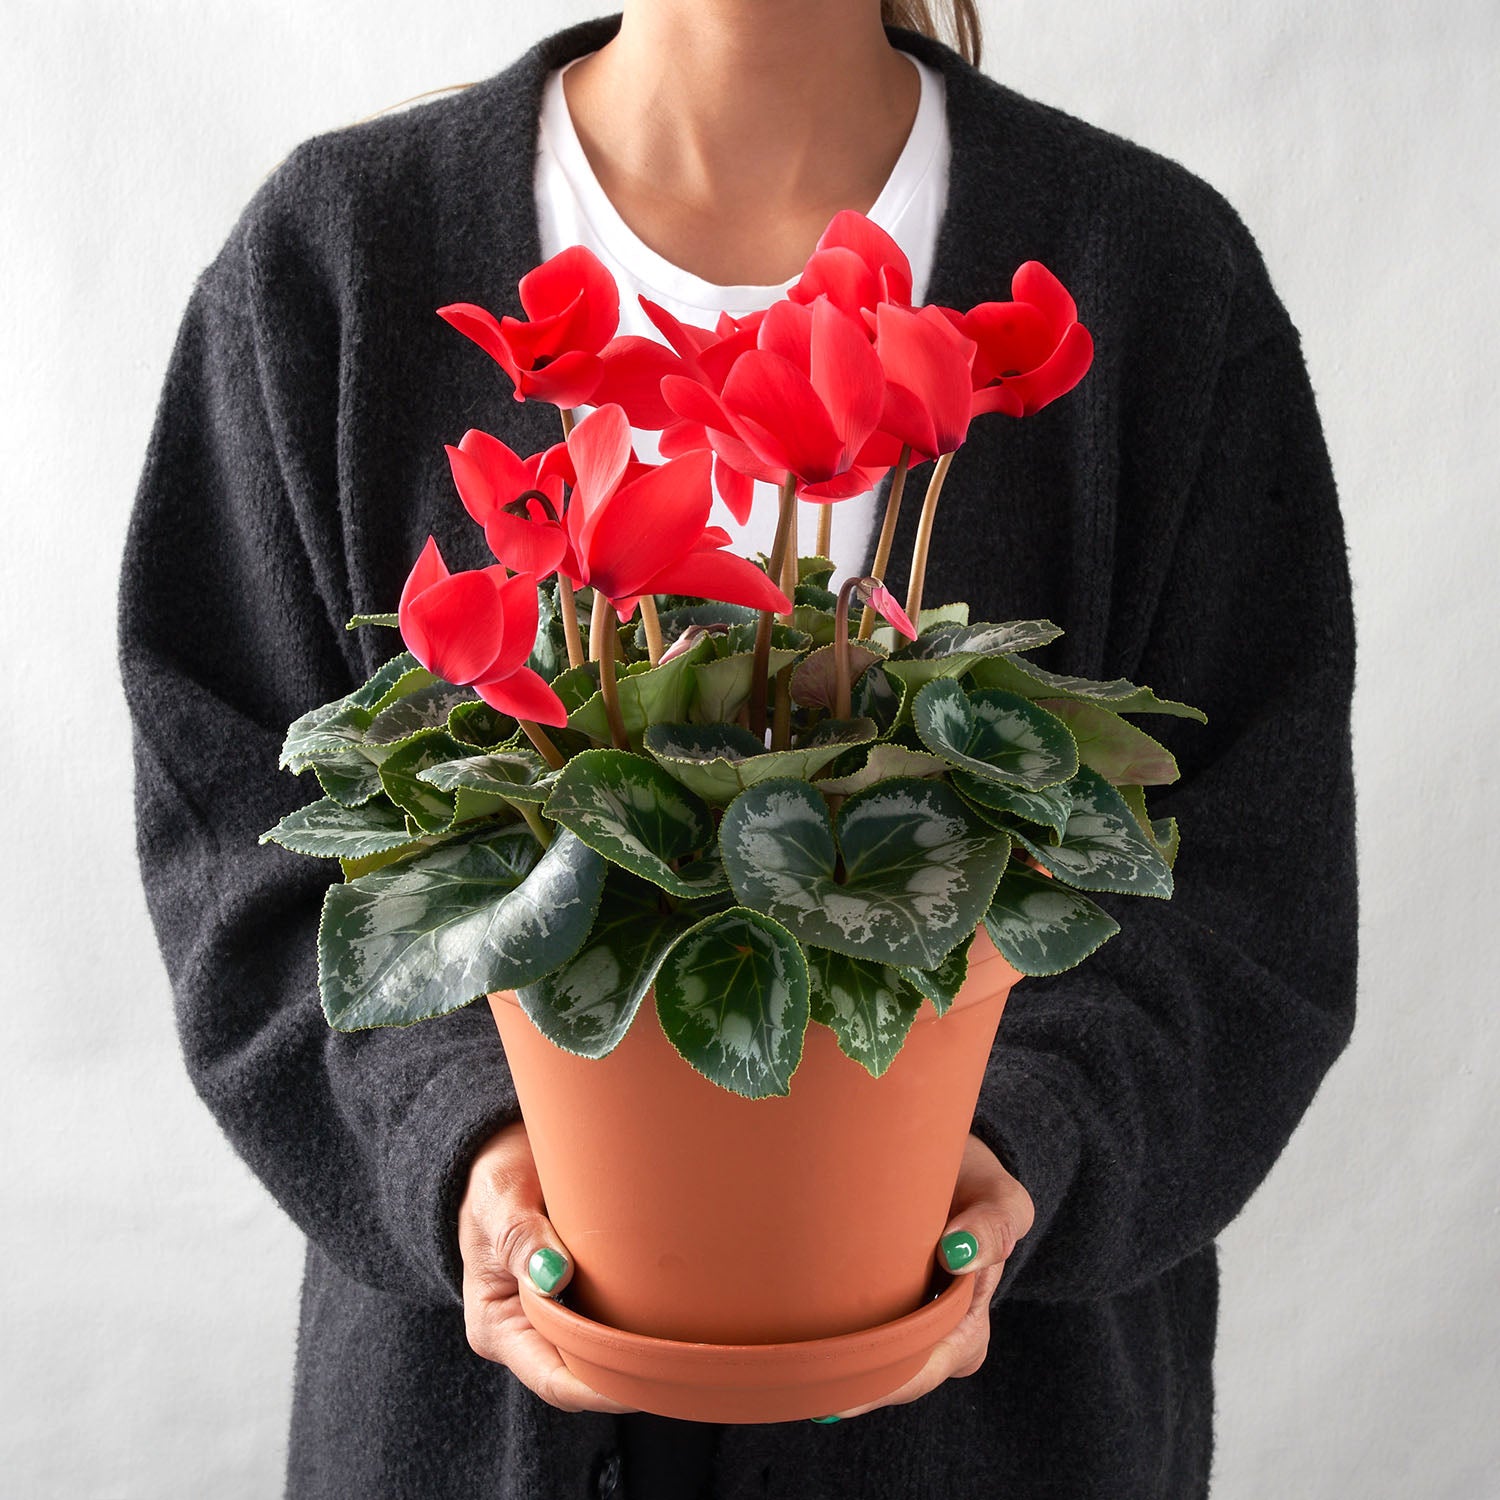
{"x": 843, "y": 690}
{"x": 887, "y": 536}
{"x": 651, "y": 624}
{"x": 603, "y": 629}
{"x": 924, "y": 541}
{"x": 544, "y": 746}
{"x": 760, "y": 668}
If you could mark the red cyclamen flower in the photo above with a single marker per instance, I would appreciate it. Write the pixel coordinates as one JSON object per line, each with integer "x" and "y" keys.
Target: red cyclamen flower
{"x": 518, "y": 501}
{"x": 476, "y": 629}
{"x": 929, "y": 380}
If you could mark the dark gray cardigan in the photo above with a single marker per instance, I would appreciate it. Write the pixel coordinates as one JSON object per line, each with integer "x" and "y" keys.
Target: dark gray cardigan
{"x": 1176, "y": 514}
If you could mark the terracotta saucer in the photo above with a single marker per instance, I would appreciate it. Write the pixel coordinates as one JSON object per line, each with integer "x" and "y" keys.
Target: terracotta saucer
{"x": 748, "y": 1382}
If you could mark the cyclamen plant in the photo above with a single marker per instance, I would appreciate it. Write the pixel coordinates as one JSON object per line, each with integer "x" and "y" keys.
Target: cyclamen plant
{"x": 733, "y": 791}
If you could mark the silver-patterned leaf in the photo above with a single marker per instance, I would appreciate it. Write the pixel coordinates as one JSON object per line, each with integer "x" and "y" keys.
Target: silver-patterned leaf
{"x": 995, "y": 736}
{"x": 866, "y": 1005}
{"x": 426, "y": 706}
{"x": 1049, "y": 808}
{"x": 429, "y": 935}
{"x": 326, "y": 733}
{"x": 430, "y": 809}
{"x": 1104, "y": 847}
{"x": 638, "y": 817}
{"x": 941, "y": 983}
{"x": 368, "y": 694}
{"x": 1041, "y": 926}
{"x": 884, "y": 762}
{"x": 918, "y": 869}
{"x": 329, "y": 830}
{"x": 351, "y": 779}
{"x": 1017, "y": 675}
{"x": 948, "y": 651}
{"x": 718, "y": 761}
{"x": 1119, "y": 751}
{"x": 732, "y": 998}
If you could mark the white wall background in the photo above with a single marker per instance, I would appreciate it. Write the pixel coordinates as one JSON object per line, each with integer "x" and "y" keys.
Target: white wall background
{"x": 147, "y": 1284}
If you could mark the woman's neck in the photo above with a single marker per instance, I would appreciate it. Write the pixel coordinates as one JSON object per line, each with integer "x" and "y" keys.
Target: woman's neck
{"x": 727, "y": 135}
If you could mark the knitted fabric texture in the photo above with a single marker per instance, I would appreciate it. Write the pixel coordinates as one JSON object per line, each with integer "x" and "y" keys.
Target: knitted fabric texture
{"x": 1176, "y": 514}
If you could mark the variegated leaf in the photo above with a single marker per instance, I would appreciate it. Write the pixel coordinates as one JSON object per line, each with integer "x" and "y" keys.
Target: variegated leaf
{"x": 324, "y": 734}
{"x": 718, "y": 761}
{"x": 425, "y": 707}
{"x": 814, "y": 680}
{"x": 648, "y": 695}
{"x": 866, "y": 1005}
{"x": 1041, "y": 926}
{"x": 431, "y": 809}
{"x": 943, "y": 981}
{"x": 918, "y": 869}
{"x": 328, "y": 830}
{"x": 1119, "y": 751}
{"x": 885, "y": 761}
{"x": 586, "y": 1006}
{"x": 1017, "y": 675}
{"x": 638, "y": 817}
{"x": 351, "y": 779}
{"x": 1049, "y": 808}
{"x": 371, "y": 693}
{"x": 1103, "y": 848}
{"x": 429, "y": 935}
{"x": 732, "y": 998}
{"x": 995, "y": 736}
{"x": 948, "y": 651}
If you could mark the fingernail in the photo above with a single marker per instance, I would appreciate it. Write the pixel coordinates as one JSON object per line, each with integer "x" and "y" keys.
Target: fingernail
{"x": 546, "y": 1267}
{"x": 958, "y": 1248}
{"x": 823, "y": 1419}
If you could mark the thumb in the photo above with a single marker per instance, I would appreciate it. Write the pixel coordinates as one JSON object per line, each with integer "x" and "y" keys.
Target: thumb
{"x": 505, "y": 1201}
{"x": 986, "y": 1223}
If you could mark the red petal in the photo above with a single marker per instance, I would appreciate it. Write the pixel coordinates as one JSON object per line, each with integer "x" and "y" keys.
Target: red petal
{"x": 778, "y": 414}
{"x": 472, "y": 482}
{"x": 527, "y": 546}
{"x": 872, "y": 244}
{"x": 841, "y": 275}
{"x": 633, "y": 371}
{"x": 1035, "y": 284}
{"x": 787, "y": 330}
{"x": 883, "y": 601}
{"x": 686, "y": 338}
{"x": 736, "y": 490}
{"x": 656, "y": 518}
{"x": 555, "y": 287}
{"x": 721, "y": 576}
{"x": 454, "y": 628}
{"x": 1067, "y": 365}
{"x": 600, "y": 449}
{"x": 524, "y": 695}
{"x": 904, "y": 416}
{"x": 847, "y": 376}
{"x": 476, "y": 323}
{"x": 569, "y": 380}
{"x": 932, "y": 359}
{"x": 428, "y": 569}
{"x": 520, "y": 611}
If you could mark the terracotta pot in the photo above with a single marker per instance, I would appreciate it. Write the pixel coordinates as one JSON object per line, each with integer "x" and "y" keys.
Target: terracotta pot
{"x": 808, "y": 1222}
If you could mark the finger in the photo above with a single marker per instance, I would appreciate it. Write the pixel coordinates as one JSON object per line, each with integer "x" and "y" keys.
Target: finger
{"x": 991, "y": 1212}
{"x": 514, "y": 1232}
{"x": 534, "y": 1361}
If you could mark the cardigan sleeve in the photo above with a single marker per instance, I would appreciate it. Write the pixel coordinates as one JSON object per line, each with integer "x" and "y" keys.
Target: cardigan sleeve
{"x": 1143, "y": 1096}
{"x": 230, "y": 625}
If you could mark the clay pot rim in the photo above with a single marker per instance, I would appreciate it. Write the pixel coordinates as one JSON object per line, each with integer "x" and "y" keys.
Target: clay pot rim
{"x": 679, "y": 1361}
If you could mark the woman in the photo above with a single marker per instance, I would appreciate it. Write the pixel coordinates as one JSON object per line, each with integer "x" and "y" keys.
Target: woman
{"x": 1177, "y": 515}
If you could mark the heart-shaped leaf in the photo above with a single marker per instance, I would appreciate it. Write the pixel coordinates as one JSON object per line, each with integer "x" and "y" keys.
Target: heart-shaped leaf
{"x": 1041, "y": 926}
{"x": 324, "y": 734}
{"x": 427, "y": 936}
{"x": 431, "y": 809}
{"x": 588, "y": 1005}
{"x": 329, "y": 830}
{"x": 648, "y": 695}
{"x": 1103, "y": 847}
{"x": 351, "y": 779}
{"x": 880, "y": 698}
{"x": 520, "y": 777}
{"x": 724, "y": 683}
{"x": 732, "y": 998}
{"x": 951, "y": 650}
{"x": 814, "y": 680}
{"x": 425, "y": 707}
{"x": 1049, "y": 808}
{"x": 995, "y": 736}
{"x": 479, "y": 725}
{"x": 1114, "y": 747}
{"x": 941, "y": 983}
{"x": 867, "y": 1006}
{"x": 1016, "y": 675}
{"x": 372, "y": 693}
{"x": 718, "y": 761}
{"x": 638, "y": 817}
{"x": 884, "y": 762}
{"x": 918, "y": 869}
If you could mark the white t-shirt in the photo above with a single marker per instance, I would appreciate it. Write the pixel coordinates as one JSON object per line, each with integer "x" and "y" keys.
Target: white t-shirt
{"x": 572, "y": 209}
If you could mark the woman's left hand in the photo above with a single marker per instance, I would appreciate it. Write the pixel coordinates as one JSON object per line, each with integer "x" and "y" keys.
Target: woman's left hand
{"x": 993, "y": 1210}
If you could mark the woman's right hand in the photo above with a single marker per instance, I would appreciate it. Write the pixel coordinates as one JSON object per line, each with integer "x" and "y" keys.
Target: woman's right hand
{"x": 501, "y": 1227}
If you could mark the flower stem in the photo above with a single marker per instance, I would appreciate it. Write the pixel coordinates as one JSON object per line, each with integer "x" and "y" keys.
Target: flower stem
{"x": 603, "y": 629}
{"x": 924, "y": 540}
{"x": 566, "y": 413}
{"x": 544, "y": 746}
{"x": 761, "y": 666}
{"x": 535, "y": 823}
{"x": 825, "y": 531}
{"x": 887, "y": 536}
{"x": 842, "y": 685}
{"x": 567, "y": 607}
{"x": 651, "y": 624}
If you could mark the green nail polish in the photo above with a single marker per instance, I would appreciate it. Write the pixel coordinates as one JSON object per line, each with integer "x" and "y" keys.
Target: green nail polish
{"x": 546, "y": 1267}
{"x": 823, "y": 1419}
{"x": 958, "y": 1248}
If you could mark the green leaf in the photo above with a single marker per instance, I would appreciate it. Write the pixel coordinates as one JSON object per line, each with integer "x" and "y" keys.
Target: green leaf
{"x": 426, "y": 706}
{"x": 881, "y": 698}
{"x": 813, "y": 681}
{"x": 815, "y": 570}
{"x": 328, "y": 830}
{"x": 1103, "y": 847}
{"x": 431, "y": 809}
{"x": 918, "y": 867}
{"x": 1041, "y": 926}
{"x": 866, "y": 1005}
{"x": 951, "y": 650}
{"x": 368, "y": 694}
{"x": 1113, "y": 746}
{"x": 651, "y": 695}
{"x": 943, "y": 981}
{"x": 1049, "y": 808}
{"x": 706, "y": 612}
{"x": 324, "y": 734}
{"x": 517, "y": 775}
{"x": 732, "y": 998}
{"x": 885, "y": 761}
{"x": 718, "y": 761}
{"x": 724, "y": 683}
{"x": 479, "y": 725}
{"x": 350, "y": 779}
{"x": 818, "y": 625}
{"x": 634, "y": 814}
{"x": 1017, "y": 675}
{"x": 390, "y": 621}
{"x": 1163, "y": 831}
{"x": 427, "y": 936}
{"x": 588, "y": 1005}
{"x": 995, "y": 736}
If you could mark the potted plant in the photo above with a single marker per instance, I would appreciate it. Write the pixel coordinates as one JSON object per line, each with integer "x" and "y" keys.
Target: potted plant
{"x": 745, "y": 865}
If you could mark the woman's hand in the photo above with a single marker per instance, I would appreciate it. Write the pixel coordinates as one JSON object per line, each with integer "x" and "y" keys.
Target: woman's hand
{"x": 993, "y": 1210}
{"x": 503, "y": 1235}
